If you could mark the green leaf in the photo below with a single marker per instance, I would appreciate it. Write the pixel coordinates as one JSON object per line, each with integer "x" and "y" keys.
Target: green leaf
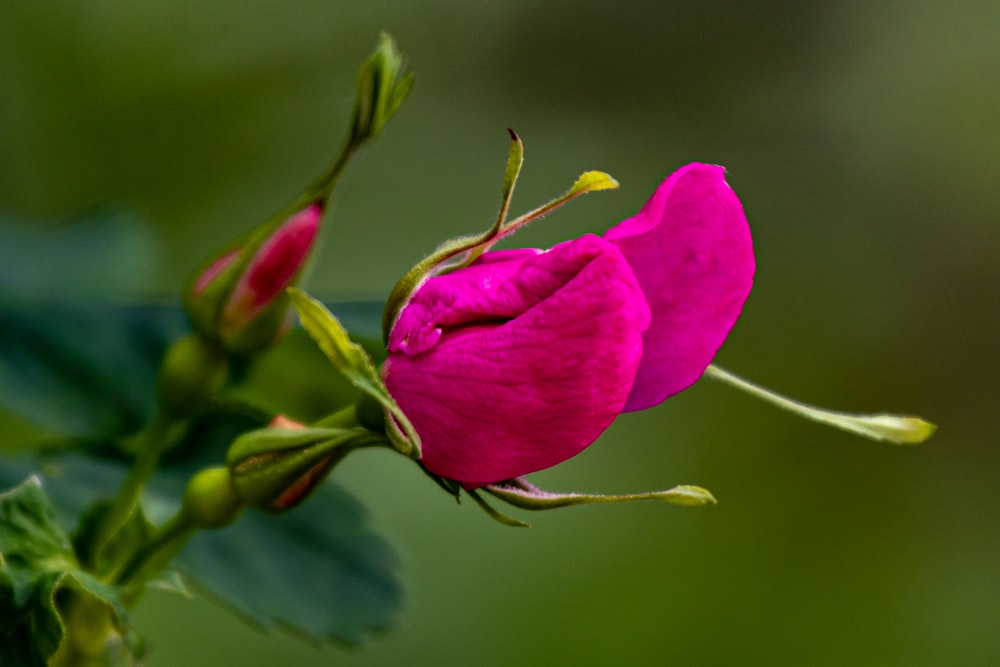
{"x": 329, "y": 535}
{"x": 337, "y": 579}
{"x": 34, "y": 552}
{"x": 41, "y": 579}
{"x": 90, "y": 369}
{"x": 99, "y": 252}
{"x": 83, "y": 369}
{"x": 354, "y": 363}
{"x": 317, "y": 571}
{"x": 32, "y": 542}
{"x": 30, "y": 632}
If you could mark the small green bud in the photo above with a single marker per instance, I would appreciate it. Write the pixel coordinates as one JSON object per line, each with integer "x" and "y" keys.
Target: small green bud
{"x": 276, "y": 468}
{"x": 192, "y": 373}
{"x": 210, "y": 501}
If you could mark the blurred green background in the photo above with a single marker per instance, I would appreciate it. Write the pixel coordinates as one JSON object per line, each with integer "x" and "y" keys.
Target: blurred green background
{"x": 864, "y": 141}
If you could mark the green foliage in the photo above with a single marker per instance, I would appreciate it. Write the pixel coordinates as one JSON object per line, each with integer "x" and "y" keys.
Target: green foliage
{"x": 100, "y": 251}
{"x": 40, "y": 578}
{"x": 338, "y": 578}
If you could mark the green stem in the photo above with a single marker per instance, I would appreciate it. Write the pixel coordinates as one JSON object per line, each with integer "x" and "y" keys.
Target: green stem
{"x": 162, "y": 545}
{"x": 152, "y": 443}
{"x": 322, "y": 187}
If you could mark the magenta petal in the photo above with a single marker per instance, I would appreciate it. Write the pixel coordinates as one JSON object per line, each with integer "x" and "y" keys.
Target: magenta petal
{"x": 272, "y": 268}
{"x": 519, "y": 361}
{"x": 691, "y": 251}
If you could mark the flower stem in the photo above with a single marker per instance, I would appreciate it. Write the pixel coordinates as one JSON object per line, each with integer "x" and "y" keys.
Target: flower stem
{"x": 162, "y": 545}
{"x": 151, "y": 444}
{"x": 897, "y": 429}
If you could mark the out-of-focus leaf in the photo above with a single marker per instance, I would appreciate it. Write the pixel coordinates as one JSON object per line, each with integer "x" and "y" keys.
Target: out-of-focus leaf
{"x": 32, "y": 542}
{"x": 318, "y": 571}
{"x": 89, "y": 369}
{"x": 135, "y": 530}
{"x": 36, "y": 564}
{"x": 83, "y": 369}
{"x": 98, "y": 253}
{"x": 29, "y": 632}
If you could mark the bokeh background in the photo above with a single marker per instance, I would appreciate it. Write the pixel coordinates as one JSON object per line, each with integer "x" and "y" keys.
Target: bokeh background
{"x": 864, "y": 141}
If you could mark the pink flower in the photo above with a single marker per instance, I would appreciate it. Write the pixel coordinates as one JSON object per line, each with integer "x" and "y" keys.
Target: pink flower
{"x": 523, "y": 358}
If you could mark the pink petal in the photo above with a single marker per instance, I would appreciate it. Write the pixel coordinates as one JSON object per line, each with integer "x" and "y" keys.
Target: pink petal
{"x": 272, "y": 268}
{"x": 214, "y": 269}
{"x": 519, "y": 361}
{"x": 691, "y": 251}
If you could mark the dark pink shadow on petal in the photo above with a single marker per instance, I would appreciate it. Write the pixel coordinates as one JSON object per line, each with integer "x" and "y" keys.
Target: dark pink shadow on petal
{"x": 690, "y": 249}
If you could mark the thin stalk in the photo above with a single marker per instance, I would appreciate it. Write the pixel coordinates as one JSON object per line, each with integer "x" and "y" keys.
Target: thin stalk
{"x": 152, "y": 444}
{"x": 160, "y": 547}
{"x": 897, "y": 429}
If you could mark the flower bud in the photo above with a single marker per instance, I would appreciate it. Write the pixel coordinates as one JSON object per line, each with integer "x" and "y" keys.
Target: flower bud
{"x": 210, "y": 501}
{"x": 191, "y": 374}
{"x": 276, "y": 468}
{"x": 239, "y": 296}
{"x": 382, "y": 86}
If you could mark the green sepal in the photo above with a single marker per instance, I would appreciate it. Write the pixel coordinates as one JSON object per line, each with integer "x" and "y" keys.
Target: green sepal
{"x": 455, "y": 252}
{"x": 588, "y": 181}
{"x": 495, "y": 514}
{"x": 524, "y": 495}
{"x": 452, "y": 487}
{"x": 897, "y": 429}
{"x": 353, "y": 362}
{"x": 274, "y": 469}
{"x": 463, "y": 250}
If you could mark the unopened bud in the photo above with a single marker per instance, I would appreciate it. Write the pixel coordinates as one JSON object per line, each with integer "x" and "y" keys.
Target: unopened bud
{"x": 382, "y": 86}
{"x": 210, "y": 501}
{"x": 276, "y": 468}
{"x": 192, "y": 373}
{"x": 239, "y": 297}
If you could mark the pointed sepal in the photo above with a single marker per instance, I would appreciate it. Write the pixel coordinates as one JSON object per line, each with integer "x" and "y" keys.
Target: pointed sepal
{"x": 896, "y": 429}
{"x": 353, "y": 362}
